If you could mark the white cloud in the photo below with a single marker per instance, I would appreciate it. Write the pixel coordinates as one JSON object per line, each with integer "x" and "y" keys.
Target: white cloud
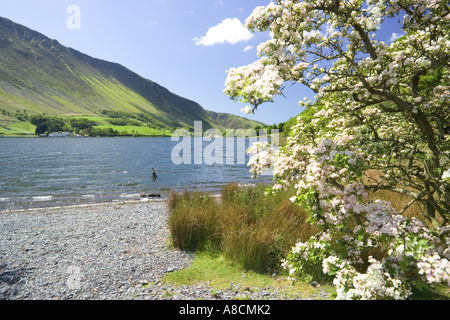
{"x": 395, "y": 36}
{"x": 248, "y": 48}
{"x": 229, "y": 30}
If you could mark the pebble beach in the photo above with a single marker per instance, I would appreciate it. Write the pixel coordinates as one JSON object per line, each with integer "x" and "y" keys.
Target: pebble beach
{"x": 114, "y": 251}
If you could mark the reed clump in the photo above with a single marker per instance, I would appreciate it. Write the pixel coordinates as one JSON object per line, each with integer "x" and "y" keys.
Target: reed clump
{"x": 250, "y": 227}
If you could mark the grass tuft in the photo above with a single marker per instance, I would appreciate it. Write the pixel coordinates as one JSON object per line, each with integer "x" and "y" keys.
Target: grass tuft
{"x": 246, "y": 225}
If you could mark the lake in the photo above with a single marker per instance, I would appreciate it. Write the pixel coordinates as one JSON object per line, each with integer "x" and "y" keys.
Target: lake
{"x": 48, "y": 172}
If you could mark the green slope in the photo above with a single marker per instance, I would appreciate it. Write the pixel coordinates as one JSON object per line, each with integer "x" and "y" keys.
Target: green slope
{"x": 39, "y": 75}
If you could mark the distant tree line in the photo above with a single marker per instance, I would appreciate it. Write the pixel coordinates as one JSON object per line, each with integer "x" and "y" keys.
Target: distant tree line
{"x": 280, "y": 127}
{"x": 122, "y": 118}
{"x": 80, "y": 125}
{"x": 104, "y": 132}
{"x": 46, "y": 124}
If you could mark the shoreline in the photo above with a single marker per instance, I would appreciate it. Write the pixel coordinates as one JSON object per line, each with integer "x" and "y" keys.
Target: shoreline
{"x": 130, "y": 199}
{"x": 80, "y": 206}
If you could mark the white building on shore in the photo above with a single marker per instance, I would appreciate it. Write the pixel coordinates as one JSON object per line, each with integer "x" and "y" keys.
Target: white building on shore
{"x": 59, "y": 134}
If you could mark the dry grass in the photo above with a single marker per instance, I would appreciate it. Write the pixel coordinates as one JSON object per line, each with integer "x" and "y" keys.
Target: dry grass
{"x": 245, "y": 224}
{"x": 398, "y": 201}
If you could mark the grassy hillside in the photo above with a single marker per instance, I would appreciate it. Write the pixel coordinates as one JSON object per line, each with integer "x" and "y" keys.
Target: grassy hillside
{"x": 39, "y": 75}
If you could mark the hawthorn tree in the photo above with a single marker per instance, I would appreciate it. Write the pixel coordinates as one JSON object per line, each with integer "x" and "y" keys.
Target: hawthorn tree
{"x": 380, "y": 122}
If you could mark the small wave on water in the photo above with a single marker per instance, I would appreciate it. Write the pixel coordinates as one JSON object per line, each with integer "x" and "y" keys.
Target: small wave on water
{"x": 40, "y": 202}
{"x": 42, "y": 198}
{"x": 129, "y": 196}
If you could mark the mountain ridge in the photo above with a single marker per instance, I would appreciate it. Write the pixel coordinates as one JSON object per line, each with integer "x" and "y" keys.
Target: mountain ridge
{"x": 39, "y": 75}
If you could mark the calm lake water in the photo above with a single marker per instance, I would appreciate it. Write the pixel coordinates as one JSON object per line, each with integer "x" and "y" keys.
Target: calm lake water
{"x": 47, "y": 172}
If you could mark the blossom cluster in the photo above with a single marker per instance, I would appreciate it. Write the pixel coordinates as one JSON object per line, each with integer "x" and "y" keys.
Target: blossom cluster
{"x": 263, "y": 157}
{"x": 435, "y": 268}
{"x": 376, "y": 283}
{"x": 256, "y": 83}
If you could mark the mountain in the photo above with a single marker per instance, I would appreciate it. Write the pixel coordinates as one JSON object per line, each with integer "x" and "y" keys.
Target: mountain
{"x": 39, "y": 75}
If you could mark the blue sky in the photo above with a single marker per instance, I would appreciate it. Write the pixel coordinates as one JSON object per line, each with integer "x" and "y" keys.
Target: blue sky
{"x": 183, "y": 45}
